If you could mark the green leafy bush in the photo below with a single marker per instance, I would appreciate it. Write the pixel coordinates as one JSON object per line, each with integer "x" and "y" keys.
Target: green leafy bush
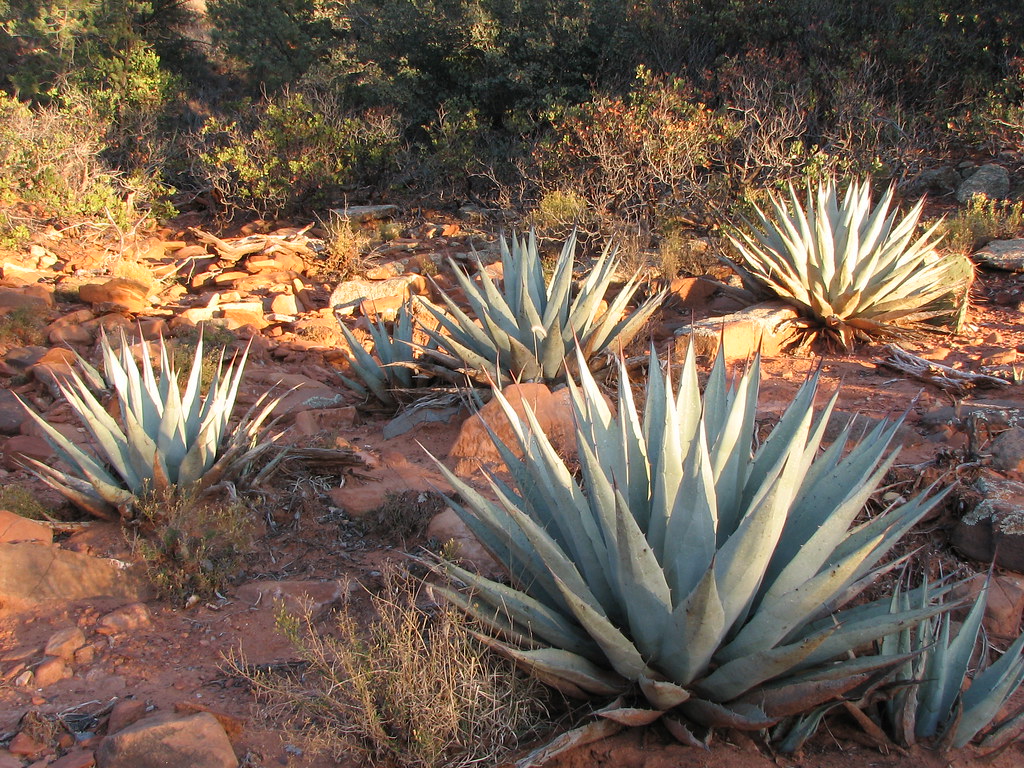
{"x": 715, "y": 580}
{"x": 299, "y": 150}
{"x": 50, "y": 156}
{"x": 981, "y": 221}
{"x": 637, "y": 157}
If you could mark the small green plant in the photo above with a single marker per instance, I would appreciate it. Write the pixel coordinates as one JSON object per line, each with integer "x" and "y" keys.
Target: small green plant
{"x": 411, "y": 688}
{"x": 216, "y": 341}
{"x": 560, "y": 211}
{"x": 192, "y": 546}
{"x": 682, "y": 254}
{"x": 389, "y": 230}
{"x": 855, "y": 270}
{"x": 13, "y": 236}
{"x": 529, "y": 326}
{"x": 169, "y": 440}
{"x": 22, "y": 327}
{"x": 707, "y": 580}
{"x": 982, "y": 221}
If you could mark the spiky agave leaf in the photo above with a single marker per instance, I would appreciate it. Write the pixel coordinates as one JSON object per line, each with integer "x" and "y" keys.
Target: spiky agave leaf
{"x": 167, "y": 439}
{"x": 855, "y": 269}
{"x": 935, "y": 708}
{"x": 528, "y": 326}
{"x": 711, "y": 576}
{"x": 391, "y": 369}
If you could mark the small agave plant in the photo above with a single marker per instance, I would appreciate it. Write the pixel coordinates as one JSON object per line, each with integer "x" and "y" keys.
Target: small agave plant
{"x": 681, "y": 565}
{"x": 937, "y": 710}
{"x": 528, "y": 326}
{"x": 393, "y": 367}
{"x": 167, "y": 440}
{"x": 855, "y": 270}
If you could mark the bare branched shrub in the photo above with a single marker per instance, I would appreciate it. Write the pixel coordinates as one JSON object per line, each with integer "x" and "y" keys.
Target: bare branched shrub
{"x": 51, "y": 156}
{"x": 411, "y": 688}
{"x": 632, "y": 158}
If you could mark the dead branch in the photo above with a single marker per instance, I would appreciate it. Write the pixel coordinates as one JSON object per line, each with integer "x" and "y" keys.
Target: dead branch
{"x": 942, "y": 376}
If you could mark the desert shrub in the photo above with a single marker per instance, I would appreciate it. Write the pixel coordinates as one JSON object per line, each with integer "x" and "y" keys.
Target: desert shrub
{"x": 192, "y": 546}
{"x": 680, "y": 253}
{"x": 635, "y": 157}
{"x": 50, "y": 156}
{"x": 347, "y": 246}
{"x": 297, "y": 150}
{"x": 272, "y": 43}
{"x": 411, "y": 687}
{"x": 981, "y": 221}
{"x": 560, "y": 211}
{"x": 996, "y": 122}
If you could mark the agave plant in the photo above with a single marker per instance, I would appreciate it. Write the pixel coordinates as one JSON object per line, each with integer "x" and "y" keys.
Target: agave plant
{"x": 857, "y": 271}
{"x": 394, "y": 364}
{"x": 528, "y": 327}
{"x": 934, "y": 707}
{"x": 168, "y": 439}
{"x": 712, "y": 578}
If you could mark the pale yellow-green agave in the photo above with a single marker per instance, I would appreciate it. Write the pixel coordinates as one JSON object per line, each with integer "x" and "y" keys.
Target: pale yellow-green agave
{"x": 857, "y": 271}
{"x": 683, "y": 563}
{"x": 168, "y": 439}
{"x": 529, "y": 326}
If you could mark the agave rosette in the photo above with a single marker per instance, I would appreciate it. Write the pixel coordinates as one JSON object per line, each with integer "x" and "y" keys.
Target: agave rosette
{"x": 168, "y": 439}
{"x": 857, "y": 271}
{"x": 529, "y": 326}
{"x": 933, "y": 707}
{"x": 713, "y": 578}
{"x": 394, "y": 364}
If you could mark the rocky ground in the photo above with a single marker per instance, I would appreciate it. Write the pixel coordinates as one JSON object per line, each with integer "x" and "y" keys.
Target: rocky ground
{"x": 95, "y": 668}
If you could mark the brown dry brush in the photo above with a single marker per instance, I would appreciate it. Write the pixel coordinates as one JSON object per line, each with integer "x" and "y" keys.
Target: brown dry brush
{"x": 411, "y": 688}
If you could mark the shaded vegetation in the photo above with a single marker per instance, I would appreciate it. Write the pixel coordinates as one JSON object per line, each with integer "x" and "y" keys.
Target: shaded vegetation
{"x": 659, "y": 115}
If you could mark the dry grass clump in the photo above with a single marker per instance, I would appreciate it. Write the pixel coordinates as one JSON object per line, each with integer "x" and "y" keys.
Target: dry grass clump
{"x": 412, "y": 688}
{"x": 347, "y": 247}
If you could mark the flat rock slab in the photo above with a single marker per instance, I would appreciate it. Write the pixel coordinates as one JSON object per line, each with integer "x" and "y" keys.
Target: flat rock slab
{"x": 17, "y": 528}
{"x": 169, "y": 741}
{"x": 352, "y": 293}
{"x": 363, "y": 213}
{"x": 33, "y": 573}
{"x": 1007, "y": 255}
{"x": 766, "y": 327}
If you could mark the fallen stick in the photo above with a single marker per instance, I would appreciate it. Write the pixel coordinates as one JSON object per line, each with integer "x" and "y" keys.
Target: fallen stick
{"x": 940, "y": 375}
